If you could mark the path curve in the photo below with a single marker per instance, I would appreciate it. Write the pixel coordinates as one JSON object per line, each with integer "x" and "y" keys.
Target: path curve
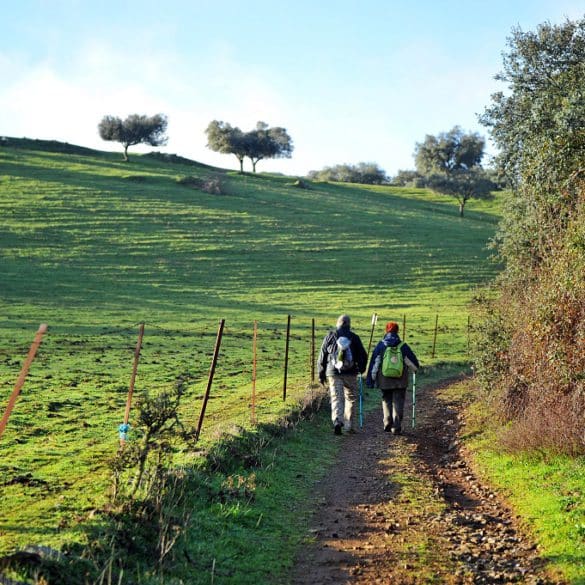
{"x": 409, "y": 509}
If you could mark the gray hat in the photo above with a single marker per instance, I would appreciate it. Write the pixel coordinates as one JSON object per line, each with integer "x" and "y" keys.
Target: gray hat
{"x": 343, "y": 320}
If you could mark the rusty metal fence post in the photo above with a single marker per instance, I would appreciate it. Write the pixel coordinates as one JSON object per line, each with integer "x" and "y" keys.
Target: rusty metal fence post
{"x": 124, "y": 428}
{"x": 254, "y": 362}
{"x": 210, "y": 378}
{"x": 435, "y": 336}
{"x": 286, "y": 358}
{"x": 22, "y": 376}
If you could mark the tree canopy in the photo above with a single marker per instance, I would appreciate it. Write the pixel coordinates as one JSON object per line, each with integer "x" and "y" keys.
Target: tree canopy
{"x": 538, "y": 128}
{"x": 449, "y": 151}
{"x": 135, "y": 129}
{"x": 224, "y": 138}
{"x": 266, "y": 142}
{"x": 450, "y": 163}
{"x": 261, "y": 143}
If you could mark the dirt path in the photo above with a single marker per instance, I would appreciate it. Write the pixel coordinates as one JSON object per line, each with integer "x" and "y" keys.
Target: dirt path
{"x": 408, "y": 509}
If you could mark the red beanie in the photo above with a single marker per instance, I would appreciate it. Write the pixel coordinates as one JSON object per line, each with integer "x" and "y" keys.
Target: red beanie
{"x": 391, "y": 327}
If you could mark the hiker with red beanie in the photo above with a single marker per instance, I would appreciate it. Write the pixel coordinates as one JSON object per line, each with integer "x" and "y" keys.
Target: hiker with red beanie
{"x": 388, "y": 370}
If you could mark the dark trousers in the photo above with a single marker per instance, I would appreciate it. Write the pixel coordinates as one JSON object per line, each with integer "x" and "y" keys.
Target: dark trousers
{"x": 393, "y": 407}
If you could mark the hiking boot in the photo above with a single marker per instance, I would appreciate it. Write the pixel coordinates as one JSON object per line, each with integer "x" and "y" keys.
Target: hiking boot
{"x": 387, "y": 428}
{"x": 396, "y": 431}
{"x": 337, "y": 429}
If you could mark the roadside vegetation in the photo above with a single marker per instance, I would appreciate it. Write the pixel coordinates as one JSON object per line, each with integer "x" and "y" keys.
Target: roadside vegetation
{"x": 529, "y": 348}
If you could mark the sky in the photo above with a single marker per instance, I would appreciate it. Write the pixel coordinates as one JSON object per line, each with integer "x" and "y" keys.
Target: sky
{"x": 351, "y": 80}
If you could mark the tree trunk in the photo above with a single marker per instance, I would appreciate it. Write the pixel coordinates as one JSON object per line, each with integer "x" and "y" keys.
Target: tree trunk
{"x": 126, "y": 152}
{"x": 461, "y": 208}
{"x": 241, "y": 165}
{"x": 254, "y": 165}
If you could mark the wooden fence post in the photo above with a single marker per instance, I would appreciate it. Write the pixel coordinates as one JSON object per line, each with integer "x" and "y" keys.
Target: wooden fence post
{"x": 124, "y": 427}
{"x": 22, "y": 376}
{"x": 374, "y": 321}
{"x": 254, "y": 359}
{"x": 435, "y": 335}
{"x": 210, "y": 378}
{"x": 286, "y": 358}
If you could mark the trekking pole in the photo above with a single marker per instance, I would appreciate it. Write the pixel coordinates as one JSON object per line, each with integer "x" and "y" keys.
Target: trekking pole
{"x": 361, "y": 399}
{"x": 413, "y": 400}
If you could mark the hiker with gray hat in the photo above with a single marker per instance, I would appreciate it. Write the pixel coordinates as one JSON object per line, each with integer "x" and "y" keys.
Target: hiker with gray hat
{"x": 341, "y": 359}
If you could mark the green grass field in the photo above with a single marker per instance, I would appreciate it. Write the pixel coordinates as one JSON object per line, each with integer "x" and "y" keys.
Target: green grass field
{"x": 93, "y": 246}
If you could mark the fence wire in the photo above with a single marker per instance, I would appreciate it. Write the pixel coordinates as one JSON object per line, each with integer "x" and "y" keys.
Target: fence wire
{"x": 92, "y": 365}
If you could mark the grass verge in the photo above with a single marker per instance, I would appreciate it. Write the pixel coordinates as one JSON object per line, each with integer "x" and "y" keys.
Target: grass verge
{"x": 544, "y": 489}
{"x": 239, "y": 515}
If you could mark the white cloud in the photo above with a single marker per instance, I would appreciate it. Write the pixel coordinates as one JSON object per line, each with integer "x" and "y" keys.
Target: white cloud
{"x": 44, "y": 102}
{"x": 377, "y": 121}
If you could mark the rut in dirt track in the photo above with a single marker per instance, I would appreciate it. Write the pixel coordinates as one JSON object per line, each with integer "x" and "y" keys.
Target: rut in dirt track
{"x": 409, "y": 509}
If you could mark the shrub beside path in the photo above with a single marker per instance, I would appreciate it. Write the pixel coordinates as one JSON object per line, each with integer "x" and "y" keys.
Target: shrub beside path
{"x": 410, "y": 509}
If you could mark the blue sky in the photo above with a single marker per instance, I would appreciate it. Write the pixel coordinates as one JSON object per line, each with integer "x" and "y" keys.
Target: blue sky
{"x": 351, "y": 81}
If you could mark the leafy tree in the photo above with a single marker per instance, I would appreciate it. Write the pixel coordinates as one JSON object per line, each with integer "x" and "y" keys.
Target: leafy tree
{"x": 450, "y": 163}
{"x": 407, "y": 178}
{"x": 265, "y": 142}
{"x": 538, "y": 128}
{"x": 369, "y": 174}
{"x": 227, "y": 139}
{"x": 463, "y": 184}
{"x": 260, "y": 143}
{"x": 449, "y": 151}
{"x": 135, "y": 129}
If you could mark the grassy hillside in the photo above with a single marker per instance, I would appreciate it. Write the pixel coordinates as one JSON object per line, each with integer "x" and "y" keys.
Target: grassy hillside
{"x": 93, "y": 246}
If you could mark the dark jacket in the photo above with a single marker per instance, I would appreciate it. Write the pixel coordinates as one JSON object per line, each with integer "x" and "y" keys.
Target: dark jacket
{"x": 384, "y": 383}
{"x": 325, "y": 364}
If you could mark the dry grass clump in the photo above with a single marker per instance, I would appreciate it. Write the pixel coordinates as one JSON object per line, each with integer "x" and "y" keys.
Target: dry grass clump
{"x": 213, "y": 185}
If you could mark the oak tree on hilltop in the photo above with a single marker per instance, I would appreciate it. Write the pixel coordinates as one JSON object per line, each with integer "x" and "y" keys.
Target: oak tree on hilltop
{"x": 260, "y": 143}
{"x": 265, "y": 142}
{"x": 463, "y": 184}
{"x": 135, "y": 129}
{"x": 450, "y": 164}
{"x": 226, "y": 139}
